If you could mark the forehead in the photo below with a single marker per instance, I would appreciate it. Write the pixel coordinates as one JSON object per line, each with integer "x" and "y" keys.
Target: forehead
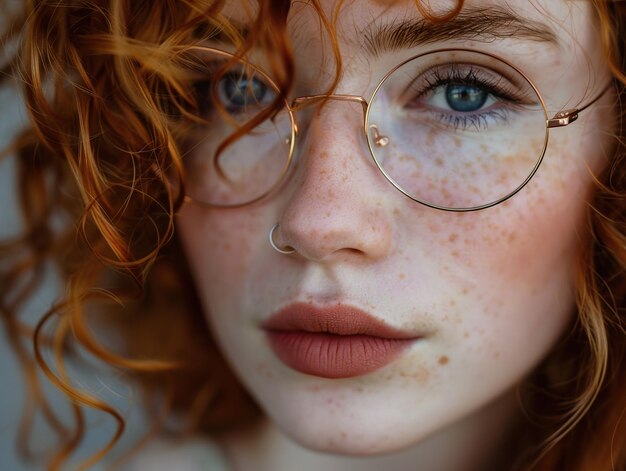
{"x": 564, "y": 32}
{"x": 556, "y": 41}
{"x": 567, "y": 19}
{"x": 551, "y": 10}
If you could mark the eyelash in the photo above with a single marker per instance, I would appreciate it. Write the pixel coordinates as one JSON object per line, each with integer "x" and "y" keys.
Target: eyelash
{"x": 430, "y": 81}
{"x": 437, "y": 78}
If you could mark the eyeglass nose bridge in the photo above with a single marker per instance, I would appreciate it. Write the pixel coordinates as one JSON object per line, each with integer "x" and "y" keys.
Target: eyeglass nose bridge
{"x": 310, "y": 100}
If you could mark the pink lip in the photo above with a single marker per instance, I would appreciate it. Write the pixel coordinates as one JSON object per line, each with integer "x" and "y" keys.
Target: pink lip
{"x": 333, "y": 342}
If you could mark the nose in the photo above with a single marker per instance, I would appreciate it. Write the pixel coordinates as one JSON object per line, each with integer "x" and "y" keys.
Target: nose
{"x": 338, "y": 201}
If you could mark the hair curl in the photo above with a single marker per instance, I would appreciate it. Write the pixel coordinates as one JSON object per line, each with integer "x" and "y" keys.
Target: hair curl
{"x": 102, "y": 84}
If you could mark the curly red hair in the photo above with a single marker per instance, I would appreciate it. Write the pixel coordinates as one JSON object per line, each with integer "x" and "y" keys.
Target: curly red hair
{"x": 100, "y": 81}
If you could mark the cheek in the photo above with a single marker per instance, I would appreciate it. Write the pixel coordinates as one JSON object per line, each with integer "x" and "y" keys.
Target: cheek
{"x": 504, "y": 272}
{"x": 541, "y": 223}
{"x": 219, "y": 248}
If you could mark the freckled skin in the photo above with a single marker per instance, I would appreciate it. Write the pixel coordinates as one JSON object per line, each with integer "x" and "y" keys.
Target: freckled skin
{"x": 488, "y": 292}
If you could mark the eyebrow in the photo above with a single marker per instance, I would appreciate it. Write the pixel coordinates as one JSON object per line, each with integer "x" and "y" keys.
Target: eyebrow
{"x": 478, "y": 24}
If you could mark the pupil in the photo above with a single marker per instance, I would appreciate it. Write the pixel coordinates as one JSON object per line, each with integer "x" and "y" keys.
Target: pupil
{"x": 241, "y": 91}
{"x": 465, "y": 98}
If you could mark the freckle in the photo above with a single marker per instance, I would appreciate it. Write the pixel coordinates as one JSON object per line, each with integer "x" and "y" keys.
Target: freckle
{"x": 421, "y": 375}
{"x": 455, "y": 254}
{"x": 323, "y": 155}
{"x": 466, "y": 334}
{"x": 396, "y": 212}
{"x": 453, "y": 237}
{"x": 402, "y": 276}
{"x": 497, "y": 355}
{"x": 464, "y": 291}
{"x": 443, "y": 360}
{"x": 344, "y": 435}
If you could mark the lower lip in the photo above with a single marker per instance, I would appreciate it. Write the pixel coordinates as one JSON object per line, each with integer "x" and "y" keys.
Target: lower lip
{"x": 335, "y": 356}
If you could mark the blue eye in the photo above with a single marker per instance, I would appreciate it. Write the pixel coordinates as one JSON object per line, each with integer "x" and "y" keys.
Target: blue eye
{"x": 466, "y": 98}
{"x": 238, "y": 92}
{"x": 462, "y": 96}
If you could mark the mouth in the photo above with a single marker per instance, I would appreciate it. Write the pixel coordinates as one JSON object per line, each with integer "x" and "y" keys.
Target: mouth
{"x": 337, "y": 341}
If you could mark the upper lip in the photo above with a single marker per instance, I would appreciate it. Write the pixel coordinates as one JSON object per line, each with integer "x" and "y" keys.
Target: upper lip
{"x": 338, "y": 319}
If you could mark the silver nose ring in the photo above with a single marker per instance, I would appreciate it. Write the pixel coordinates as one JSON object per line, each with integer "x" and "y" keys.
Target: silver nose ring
{"x": 287, "y": 250}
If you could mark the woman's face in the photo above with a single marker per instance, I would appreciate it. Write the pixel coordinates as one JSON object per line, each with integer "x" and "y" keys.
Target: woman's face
{"x": 478, "y": 298}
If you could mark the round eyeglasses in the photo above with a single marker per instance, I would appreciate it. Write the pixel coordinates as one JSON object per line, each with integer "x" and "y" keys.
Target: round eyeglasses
{"x": 452, "y": 129}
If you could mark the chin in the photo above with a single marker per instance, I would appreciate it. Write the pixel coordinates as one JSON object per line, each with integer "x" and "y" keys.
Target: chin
{"x": 350, "y": 431}
{"x": 336, "y": 442}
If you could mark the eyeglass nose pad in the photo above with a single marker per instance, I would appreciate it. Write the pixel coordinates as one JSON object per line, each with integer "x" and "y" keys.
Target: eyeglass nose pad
{"x": 379, "y": 140}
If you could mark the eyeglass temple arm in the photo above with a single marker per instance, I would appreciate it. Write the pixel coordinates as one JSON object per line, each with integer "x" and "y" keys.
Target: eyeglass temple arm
{"x": 565, "y": 117}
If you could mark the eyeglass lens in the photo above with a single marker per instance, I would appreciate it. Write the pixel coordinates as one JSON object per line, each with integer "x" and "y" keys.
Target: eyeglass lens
{"x": 462, "y": 129}
{"x": 452, "y": 129}
{"x": 225, "y": 169}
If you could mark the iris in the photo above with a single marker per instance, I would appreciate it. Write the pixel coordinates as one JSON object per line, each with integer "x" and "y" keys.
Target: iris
{"x": 466, "y": 98}
{"x": 240, "y": 91}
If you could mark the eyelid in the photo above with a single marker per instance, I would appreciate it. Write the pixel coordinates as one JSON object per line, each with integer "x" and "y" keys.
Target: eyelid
{"x": 496, "y": 83}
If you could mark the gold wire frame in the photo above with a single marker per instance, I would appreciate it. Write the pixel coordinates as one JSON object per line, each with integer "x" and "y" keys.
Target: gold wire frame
{"x": 290, "y": 140}
{"x": 473, "y": 208}
{"x": 561, "y": 119}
